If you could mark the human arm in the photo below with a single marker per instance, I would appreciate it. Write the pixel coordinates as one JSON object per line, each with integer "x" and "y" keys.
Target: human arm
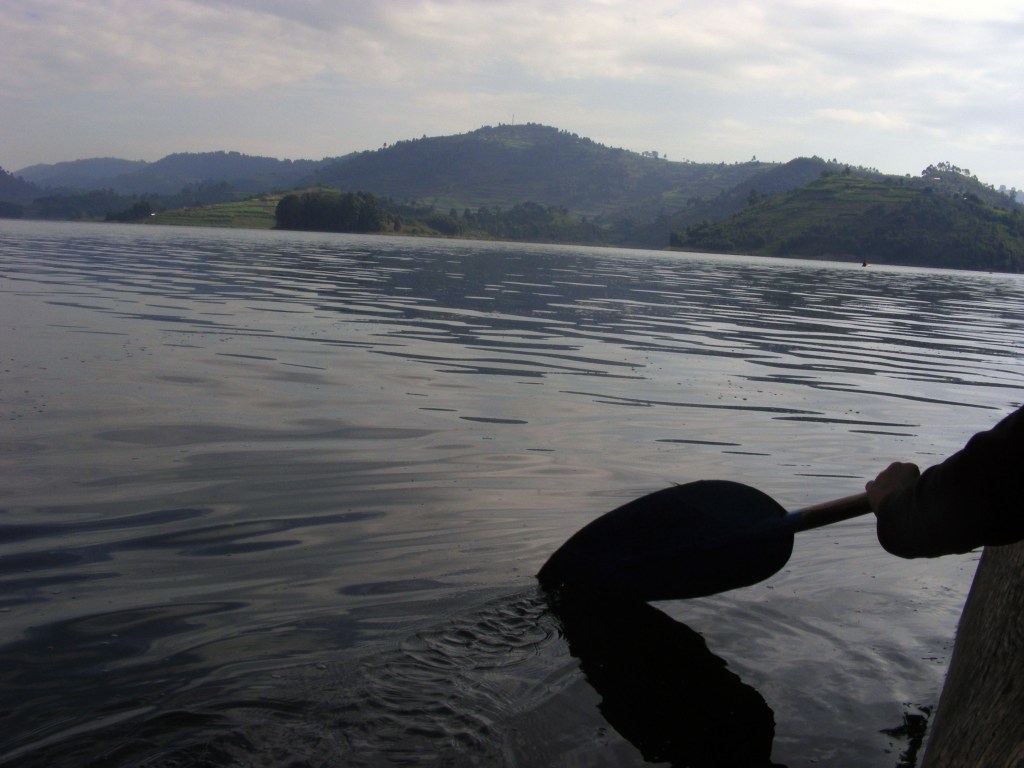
{"x": 974, "y": 498}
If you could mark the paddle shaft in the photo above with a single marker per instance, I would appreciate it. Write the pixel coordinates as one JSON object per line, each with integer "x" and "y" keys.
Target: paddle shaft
{"x": 827, "y": 512}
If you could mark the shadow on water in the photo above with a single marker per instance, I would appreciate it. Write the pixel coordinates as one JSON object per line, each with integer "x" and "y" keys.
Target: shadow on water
{"x": 464, "y": 691}
{"x": 528, "y": 679}
{"x": 662, "y": 688}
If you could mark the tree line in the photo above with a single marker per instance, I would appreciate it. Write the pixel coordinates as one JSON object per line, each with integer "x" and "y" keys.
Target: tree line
{"x": 325, "y": 210}
{"x": 108, "y": 205}
{"x": 328, "y": 210}
{"x": 527, "y": 221}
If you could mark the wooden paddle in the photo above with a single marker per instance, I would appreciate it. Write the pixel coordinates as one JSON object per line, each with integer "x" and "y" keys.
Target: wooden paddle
{"x": 687, "y": 541}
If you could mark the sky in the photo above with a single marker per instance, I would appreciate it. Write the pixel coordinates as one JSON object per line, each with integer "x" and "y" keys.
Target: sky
{"x": 894, "y": 85}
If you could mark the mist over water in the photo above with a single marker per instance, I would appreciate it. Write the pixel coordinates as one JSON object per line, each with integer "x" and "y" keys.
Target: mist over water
{"x": 278, "y": 498}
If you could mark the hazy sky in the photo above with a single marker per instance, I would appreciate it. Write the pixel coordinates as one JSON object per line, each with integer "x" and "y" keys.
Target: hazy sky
{"x": 894, "y": 85}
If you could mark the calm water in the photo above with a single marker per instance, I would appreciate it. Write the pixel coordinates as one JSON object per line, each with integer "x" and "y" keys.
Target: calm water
{"x": 278, "y": 498}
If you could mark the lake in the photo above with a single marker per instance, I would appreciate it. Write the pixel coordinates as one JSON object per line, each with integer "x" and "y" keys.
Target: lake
{"x": 275, "y": 498}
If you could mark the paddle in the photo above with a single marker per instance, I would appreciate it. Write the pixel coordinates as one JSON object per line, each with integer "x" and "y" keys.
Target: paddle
{"x": 687, "y": 541}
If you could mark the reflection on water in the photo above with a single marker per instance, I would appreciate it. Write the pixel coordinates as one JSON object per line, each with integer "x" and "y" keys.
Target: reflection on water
{"x": 662, "y": 688}
{"x": 280, "y": 497}
{"x": 462, "y": 691}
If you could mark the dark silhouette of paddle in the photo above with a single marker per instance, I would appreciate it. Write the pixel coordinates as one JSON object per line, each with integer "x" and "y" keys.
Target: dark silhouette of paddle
{"x": 661, "y": 687}
{"x": 688, "y": 541}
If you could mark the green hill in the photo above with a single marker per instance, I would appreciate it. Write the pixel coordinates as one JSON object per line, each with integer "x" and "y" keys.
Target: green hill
{"x": 15, "y": 194}
{"x": 247, "y": 174}
{"x": 535, "y": 182}
{"x": 626, "y": 194}
{"x": 510, "y": 164}
{"x": 254, "y": 213}
{"x": 889, "y": 220}
{"x": 92, "y": 173}
{"x": 648, "y": 233}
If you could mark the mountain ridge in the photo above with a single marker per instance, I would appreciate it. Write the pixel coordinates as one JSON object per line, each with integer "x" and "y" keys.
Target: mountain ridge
{"x": 450, "y": 184}
{"x": 171, "y": 173}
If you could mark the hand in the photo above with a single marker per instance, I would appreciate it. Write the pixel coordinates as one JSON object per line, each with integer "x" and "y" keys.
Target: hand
{"x": 894, "y": 477}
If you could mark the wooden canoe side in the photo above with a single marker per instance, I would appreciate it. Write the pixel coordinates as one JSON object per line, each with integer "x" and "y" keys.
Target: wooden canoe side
{"x": 980, "y": 717}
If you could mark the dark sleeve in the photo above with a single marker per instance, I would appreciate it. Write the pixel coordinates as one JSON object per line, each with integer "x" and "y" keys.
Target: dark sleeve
{"x": 974, "y": 498}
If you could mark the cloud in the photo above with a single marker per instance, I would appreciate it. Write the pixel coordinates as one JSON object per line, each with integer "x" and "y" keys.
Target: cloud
{"x": 184, "y": 45}
{"x": 723, "y": 77}
{"x": 176, "y": 46}
{"x": 876, "y": 120}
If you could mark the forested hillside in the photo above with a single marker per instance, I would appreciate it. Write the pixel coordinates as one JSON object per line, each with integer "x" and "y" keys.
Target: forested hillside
{"x": 328, "y": 210}
{"x": 15, "y": 194}
{"x": 170, "y": 175}
{"x": 510, "y": 164}
{"x": 889, "y": 220}
{"x": 92, "y": 173}
{"x": 535, "y": 182}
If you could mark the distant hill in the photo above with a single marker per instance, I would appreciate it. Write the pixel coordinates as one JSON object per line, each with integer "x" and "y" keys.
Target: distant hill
{"x": 246, "y": 174}
{"x": 93, "y": 173}
{"x": 775, "y": 178}
{"x": 538, "y": 182}
{"x": 766, "y": 180}
{"x": 15, "y": 194}
{"x": 510, "y": 164}
{"x": 890, "y": 220}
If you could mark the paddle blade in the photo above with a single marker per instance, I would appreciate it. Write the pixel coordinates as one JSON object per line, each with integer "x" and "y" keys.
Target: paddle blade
{"x": 685, "y": 541}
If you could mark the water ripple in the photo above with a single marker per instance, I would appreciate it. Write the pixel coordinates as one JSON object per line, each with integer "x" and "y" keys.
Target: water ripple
{"x": 254, "y": 481}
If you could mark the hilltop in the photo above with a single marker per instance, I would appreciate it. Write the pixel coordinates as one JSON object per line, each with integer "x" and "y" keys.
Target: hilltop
{"x": 509, "y": 164}
{"x": 632, "y": 198}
